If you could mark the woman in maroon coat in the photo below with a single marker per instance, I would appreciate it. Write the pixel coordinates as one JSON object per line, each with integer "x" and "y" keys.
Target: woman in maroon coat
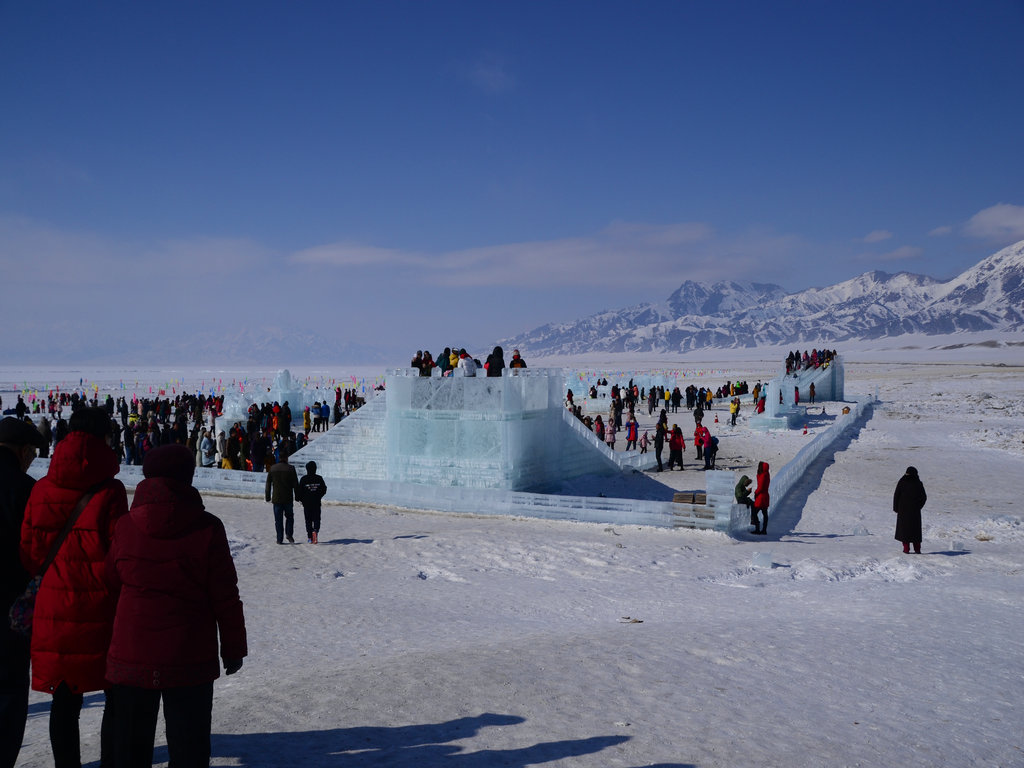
{"x": 74, "y": 610}
{"x": 178, "y": 588}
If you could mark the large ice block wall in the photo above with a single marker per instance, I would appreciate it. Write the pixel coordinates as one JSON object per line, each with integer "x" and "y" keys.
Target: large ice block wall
{"x": 510, "y": 432}
{"x": 475, "y": 432}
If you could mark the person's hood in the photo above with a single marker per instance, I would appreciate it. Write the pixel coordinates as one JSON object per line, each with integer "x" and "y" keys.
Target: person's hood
{"x": 81, "y": 460}
{"x": 164, "y": 507}
{"x": 762, "y": 467}
{"x": 745, "y": 480}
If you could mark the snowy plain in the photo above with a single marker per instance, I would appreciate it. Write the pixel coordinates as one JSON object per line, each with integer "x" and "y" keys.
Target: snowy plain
{"x": 409, "y": 638}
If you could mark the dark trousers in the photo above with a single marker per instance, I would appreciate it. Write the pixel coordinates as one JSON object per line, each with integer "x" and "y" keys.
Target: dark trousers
{"x": 675, "y": 457}
{"x": 312, "y": 516}
{"x": 65, "y": 739}
{"x": 187, "y": 713}
{"x": 749, "y": 504}
{"x": 14, "y": 665}
{"x": 284, "y": 521}
{"x": 658, "y": 448}
{"x": 756, "y": 519}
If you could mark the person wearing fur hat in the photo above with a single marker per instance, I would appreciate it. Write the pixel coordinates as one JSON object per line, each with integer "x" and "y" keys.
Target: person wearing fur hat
{"x": 19, "y": 442}
{"x": 177, "y": 590}
{"x": 74, "y": 608}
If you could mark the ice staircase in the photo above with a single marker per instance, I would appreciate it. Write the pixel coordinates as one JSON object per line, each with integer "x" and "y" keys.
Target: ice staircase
{"x": 355, "y": 447}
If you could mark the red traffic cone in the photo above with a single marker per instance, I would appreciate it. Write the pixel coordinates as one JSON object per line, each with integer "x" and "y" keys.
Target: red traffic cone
{"x": 716, "y": 418}
{"x": 805, "y": 429}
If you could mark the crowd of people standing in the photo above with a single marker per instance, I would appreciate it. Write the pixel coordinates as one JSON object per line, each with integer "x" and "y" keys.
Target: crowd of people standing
{"x": 455, "y": 361}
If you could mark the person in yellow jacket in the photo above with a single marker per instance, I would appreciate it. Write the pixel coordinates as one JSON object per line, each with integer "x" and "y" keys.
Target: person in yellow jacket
{"x": 734, "y": 409}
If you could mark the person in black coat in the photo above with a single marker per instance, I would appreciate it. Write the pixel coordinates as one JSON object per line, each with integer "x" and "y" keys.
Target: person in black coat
{"x": 311, "y": 490}
{"x": 495, "y": 362}
{"x": 907, "y": 502}
{"x": 19, "y": 441}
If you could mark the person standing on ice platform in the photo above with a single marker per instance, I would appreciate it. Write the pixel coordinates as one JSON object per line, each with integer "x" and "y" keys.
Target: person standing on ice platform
{"x": 907, "y": 502}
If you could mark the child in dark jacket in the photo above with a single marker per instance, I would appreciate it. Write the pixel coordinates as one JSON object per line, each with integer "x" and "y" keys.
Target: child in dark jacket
{"x": 311, "y": 490}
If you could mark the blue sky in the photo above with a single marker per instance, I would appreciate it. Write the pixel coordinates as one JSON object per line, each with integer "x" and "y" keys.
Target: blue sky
{"x": 405, "y": 174}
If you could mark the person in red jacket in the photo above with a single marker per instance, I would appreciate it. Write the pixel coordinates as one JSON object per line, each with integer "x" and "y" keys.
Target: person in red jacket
{"x": 676, "y": 446}
{"x": 177, "y": 589}
{"x": 762, "y": 498}
{"x": 74, "y": 610}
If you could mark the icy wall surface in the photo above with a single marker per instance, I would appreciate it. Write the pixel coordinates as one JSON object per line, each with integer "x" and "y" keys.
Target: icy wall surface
{"x": 473, "y": 432}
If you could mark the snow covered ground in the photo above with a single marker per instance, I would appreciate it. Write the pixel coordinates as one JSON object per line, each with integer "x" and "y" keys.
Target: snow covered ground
{"x": 416, "y": 639}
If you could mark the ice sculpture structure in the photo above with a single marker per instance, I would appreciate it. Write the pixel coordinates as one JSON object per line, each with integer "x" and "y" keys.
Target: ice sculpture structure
{"x": 283, "y": 390}
{"x": 510, "y": 432}
{"x": 829, "y": 384}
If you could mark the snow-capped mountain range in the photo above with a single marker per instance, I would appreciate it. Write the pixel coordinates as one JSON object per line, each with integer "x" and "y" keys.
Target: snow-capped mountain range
{"x": 875, "y": 305}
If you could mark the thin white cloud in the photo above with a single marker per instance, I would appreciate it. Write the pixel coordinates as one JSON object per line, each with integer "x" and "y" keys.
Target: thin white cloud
{"x": 1000, "y": 223}
{"x": 941, "y": 231}
{"x": 877, "y": 236}
{"x": 33, "y": 252}
{"x": 904, "y": 253}
{"x": 206, "y": 256}
{"x": 659, "y": 235}
{"x": 624, "y": 254}
{"x": 347, "y": 254}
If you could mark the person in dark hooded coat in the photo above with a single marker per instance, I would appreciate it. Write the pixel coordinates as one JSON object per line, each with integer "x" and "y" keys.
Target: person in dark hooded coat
{"x": 495, "y": 363}
{"x": 907, "y": 502}
{"x": 177, "y": 588}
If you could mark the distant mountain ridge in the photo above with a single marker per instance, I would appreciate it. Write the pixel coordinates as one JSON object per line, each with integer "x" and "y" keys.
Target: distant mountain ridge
{"x": 874, "y": 305}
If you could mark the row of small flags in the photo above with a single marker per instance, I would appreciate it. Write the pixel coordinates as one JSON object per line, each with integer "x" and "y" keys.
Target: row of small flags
{"x": 212, "y": 387}
{"x": 621, "y": 377}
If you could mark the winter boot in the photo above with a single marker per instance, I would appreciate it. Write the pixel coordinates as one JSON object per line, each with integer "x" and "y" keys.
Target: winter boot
{"x": 314, "y": 537}
{"x": 906, "y": 547}
{"x": 917, "y": 548}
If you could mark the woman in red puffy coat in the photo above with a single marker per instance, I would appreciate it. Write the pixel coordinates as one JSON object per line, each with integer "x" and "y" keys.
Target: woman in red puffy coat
{"x": 74, "y": 610}
{"x": 761, "y": 497}
{"x": 178, "y": 587}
